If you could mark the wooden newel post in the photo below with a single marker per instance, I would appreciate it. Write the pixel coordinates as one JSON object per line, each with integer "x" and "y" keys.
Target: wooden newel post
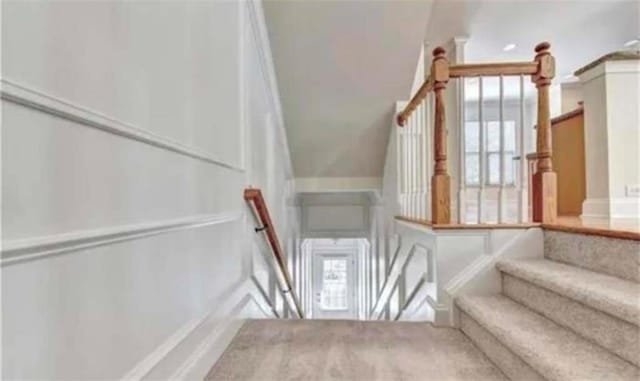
{"x": 440, "y": 181}
{"x": 544, "y": 200}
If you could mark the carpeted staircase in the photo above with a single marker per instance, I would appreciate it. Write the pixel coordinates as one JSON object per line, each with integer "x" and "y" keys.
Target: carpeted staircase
{"x": 574, "y": 315}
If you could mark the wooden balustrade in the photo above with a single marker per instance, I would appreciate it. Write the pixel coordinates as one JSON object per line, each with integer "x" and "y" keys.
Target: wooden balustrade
{"x": 543, "y": 196}
{"x": 254, "y": 196}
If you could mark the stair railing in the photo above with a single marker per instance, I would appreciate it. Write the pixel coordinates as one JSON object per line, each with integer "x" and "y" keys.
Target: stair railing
{"x": 544, "y": 189}
{"x": 259, "y": 207}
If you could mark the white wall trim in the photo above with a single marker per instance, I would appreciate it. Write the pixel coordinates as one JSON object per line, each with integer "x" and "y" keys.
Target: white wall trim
{"x": 245, "y": 293}
{"x": 620, "y": 208}
{"x": 259, "y": 28}
{"x": 25, "y": 96}
{"x": 22, "y": 250}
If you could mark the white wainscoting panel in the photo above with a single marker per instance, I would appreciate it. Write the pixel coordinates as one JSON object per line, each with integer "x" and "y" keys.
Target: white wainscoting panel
{"x": 127, "y": 248}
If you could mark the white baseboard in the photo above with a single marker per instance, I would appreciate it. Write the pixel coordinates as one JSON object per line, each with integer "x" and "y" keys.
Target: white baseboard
{"x": 192, "y": 350}
{"x": 482, "y": 278}
{"x": 596, "y": 209}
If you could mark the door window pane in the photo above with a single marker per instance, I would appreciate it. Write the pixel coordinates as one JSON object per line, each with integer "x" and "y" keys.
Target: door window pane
{"x": 334, "y": 285}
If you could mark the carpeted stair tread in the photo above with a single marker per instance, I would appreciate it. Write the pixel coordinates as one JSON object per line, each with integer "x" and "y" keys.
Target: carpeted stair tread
{"x": 554, "y": 352}
{"x": 615, "y": 296}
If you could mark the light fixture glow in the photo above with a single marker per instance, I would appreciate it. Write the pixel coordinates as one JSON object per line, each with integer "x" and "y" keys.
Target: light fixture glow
{"x": 631, "y": 43}
{"x": 509, "y": 47}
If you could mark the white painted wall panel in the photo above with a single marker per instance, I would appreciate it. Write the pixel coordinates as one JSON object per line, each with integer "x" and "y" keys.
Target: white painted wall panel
{"x": 336, "y": 218}
{"x": 129, "y": 131}
{"x": 170, "y": 67}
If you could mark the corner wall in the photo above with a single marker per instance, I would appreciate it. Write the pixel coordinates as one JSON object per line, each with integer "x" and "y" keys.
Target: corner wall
{"x": 129, "y": 131}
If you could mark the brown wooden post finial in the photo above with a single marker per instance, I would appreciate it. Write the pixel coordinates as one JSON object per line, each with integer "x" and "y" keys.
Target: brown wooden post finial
{"x": 544, "y": 208}
{"x": 440, "y": 181}
{"x": 400, "y": 119}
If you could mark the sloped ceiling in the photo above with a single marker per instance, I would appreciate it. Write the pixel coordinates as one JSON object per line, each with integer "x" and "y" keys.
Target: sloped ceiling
{"x": 341, "y": 65}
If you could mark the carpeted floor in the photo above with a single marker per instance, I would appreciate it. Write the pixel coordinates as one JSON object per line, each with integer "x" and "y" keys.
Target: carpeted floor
{"x": 350, "y": 350}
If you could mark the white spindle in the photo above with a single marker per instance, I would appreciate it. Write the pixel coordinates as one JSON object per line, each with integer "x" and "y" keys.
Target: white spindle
{"x": 462, "y": 156}
{"x": 429, "y": 144}
{"x": 416, "y": 159}
{"x": 423, "y": 160}
{"x": 501, "y": 191}
{"x": 419, "y": 149}
{"x": 405, "y": 155}
{"x": 522, "y": 181}
{"x": 481, "y": 155}
{"x": 412, "y": 125}
{"x": 414, "y": 146}
{"x": 398, "y": 132}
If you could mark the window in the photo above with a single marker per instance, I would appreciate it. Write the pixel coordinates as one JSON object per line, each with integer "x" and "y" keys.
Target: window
{"x": 492, "y": 152}
{"x": 334, "y": 285}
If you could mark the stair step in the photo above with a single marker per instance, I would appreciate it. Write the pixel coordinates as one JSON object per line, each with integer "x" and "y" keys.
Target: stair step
{"x": 551, "y": 350}
{"x": 614, "y": 296}
{"x": 612, "y": 333}
{"x": 613, "y": 256}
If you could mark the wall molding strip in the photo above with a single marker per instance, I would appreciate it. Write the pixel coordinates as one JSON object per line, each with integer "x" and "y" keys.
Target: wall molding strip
{"x": 25, "y": 96}
{"x": 23, "y": 250}
{"x": 259, "y": 28}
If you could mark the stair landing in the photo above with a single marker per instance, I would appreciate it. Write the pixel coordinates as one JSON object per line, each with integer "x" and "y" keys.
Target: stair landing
{"x": 351, "y": 350}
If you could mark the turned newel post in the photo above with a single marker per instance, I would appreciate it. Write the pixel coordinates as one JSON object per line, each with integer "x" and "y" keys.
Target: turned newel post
{"x": 544, "y": 207}
{"x": 440, "y": 181}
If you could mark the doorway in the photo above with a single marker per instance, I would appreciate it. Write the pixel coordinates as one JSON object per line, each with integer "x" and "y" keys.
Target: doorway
{"x": 334, "y": 286}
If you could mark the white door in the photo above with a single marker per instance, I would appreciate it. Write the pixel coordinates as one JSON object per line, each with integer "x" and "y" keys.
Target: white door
{"x": 334, "y": 286}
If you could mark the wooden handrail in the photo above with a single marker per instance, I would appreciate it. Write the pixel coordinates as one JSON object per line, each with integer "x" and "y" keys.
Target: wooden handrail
{"x": 467, "y": 70}
{"x": 415, "y": 101}
{"x": 254, "y": 196}
{"x": 567, "y": 115}
{"x": 493, "y": 69}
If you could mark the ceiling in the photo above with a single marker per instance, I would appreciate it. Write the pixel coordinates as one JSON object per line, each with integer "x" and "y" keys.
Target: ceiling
{"x": 341, "y": 65}
{"x": 579, "y": 30}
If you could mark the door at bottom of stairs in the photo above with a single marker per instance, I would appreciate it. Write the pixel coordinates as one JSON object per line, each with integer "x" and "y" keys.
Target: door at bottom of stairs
{"x": 334, "y": 286}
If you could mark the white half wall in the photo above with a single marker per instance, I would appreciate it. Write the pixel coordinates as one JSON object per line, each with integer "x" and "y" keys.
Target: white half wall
{"x": 129, "y": 131}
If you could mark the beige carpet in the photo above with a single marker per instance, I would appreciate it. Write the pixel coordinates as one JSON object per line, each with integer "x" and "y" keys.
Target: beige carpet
{"x": 350, "y": 350}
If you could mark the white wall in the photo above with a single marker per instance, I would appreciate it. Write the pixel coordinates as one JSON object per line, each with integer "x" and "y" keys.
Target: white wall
{"x": 612, "y": 141}
{"x": 129, "y": 131}
{"x": 335, "y": 215}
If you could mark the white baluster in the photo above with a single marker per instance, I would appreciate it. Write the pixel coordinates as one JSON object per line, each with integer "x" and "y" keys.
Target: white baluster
{"x": 501, "y": 191}
{"x": 407, "y": 171}
{"x": 399, "y": 169}
{"x": 423, "y": 161}
{"x": 522, "y": 178}
{"x": 462, "y": 199}
{"x": 429, "y": 147}
{"x": 481, "y": 155}
{"x": 414, "y": 166}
